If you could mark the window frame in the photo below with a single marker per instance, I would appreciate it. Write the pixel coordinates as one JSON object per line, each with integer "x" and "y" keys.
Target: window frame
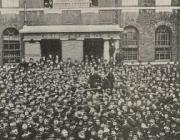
{"x": 94, "y": 3}
{"x": 149, "y": 3}
{"x": 11, "y": 46}
{"x": 130, "y": 54}
{"x": 49, "y": 5}
{"x": 163, "y": 36}
{"x": 130, "y": 37}
{"x": 164, "y": 53}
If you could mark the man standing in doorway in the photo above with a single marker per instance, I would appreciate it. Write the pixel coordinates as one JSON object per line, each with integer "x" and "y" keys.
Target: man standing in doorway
{"x": 119, "y": 58}
{"x": 111, "y": 48}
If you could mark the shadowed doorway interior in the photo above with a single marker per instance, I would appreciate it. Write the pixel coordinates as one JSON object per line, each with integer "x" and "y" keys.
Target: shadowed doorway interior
{"x": 93, "y": 47}
{"x": 51, "y": 46}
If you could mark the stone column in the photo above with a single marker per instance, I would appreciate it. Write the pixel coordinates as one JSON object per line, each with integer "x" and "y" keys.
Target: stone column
{"x": 116, "y": 43}
{"x": 32, "y": 50}
{"x": 106, "y": 50}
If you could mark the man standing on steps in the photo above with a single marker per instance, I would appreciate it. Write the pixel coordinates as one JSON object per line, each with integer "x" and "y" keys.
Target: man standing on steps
{"x": 111, "y": 48}
{"x": 119, "y": 58}
{"x": 95, "y": 79}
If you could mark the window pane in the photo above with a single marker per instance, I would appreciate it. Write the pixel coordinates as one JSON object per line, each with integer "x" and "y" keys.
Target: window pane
{"x": 130, "y": 37}
{"x": 130, "y": 53}
{"x": 162, "y": 53}
{"x": 163, "y": 36}
{"x": 11, "y": 46}
{"x": 10, "y": 3}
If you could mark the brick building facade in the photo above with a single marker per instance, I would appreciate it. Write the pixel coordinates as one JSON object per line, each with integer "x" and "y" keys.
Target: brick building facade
{"x": 144, "y": 30}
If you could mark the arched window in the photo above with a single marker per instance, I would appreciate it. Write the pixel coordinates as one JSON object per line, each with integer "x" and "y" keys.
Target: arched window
{"x": 163, "y": 42}
{"x": 130, "y": 43}
{"x": 163, "y": 35}
{"x": 130, "y": 36}
{"x": 11, "y": 46}
{"x": 93, "y": 3}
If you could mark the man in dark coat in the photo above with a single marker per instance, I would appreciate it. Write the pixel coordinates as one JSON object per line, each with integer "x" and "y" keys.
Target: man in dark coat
{"x": 118, "y": 58}
{"x": 111, "y": 48}
{"x": 23, "y": 64}
{"x": 111, "y": 78}
{"x": 106, "y": 83}
{"x": 95, "y": 79}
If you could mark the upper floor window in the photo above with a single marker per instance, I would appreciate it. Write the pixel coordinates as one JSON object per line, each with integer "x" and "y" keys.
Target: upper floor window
{"x": 149, "y": 3}
{"x": 93, "y": 3}
{"x": 163, "y": 2}
{"x": 130, "y": 36}
{"x": 10, "y": 3}
{"x": 163, "y": 36}
{"x": 129, "y": 2}
{"x": 48, "y": 3}
{"x": 11, "y": 46}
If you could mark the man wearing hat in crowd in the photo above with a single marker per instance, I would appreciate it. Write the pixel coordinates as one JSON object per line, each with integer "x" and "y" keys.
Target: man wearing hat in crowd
{"x": 95, "y": 79}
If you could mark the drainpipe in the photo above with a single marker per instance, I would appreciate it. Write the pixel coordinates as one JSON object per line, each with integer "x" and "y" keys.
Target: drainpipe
{"x": 25, "y": 12}
{"x": 178, "y": 37}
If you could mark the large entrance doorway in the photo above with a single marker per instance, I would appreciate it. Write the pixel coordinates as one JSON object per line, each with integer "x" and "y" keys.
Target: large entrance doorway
{"x": 93, "y": 47}
{"x": 51, "y": 46}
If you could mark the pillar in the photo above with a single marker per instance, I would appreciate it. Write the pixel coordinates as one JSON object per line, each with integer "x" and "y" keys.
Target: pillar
{"x": 32, "y": 50}
{"x": 116, "y": 43}
{"x": 106, "y": 50}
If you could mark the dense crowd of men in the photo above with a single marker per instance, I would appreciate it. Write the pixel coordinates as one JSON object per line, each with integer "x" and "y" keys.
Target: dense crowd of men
{"x": 90, "y": 100}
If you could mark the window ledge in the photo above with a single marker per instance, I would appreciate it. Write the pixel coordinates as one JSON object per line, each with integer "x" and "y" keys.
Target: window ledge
{"x": 163, "y": 46}
{"x": 130, "y": 46}
{"x": 163, "y": 60}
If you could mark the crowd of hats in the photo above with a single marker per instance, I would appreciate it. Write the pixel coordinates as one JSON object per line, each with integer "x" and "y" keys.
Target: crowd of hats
{"x": 52, "y": 100}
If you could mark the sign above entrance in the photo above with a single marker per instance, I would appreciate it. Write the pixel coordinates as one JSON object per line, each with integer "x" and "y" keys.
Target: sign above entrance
{"x": 71, "y": 36}
{"x": 70, "y": 29}
{"x": 71, "y": 32}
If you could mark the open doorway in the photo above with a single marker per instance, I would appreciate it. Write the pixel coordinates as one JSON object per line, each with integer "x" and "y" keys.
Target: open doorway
{"x": 51, "y": 46}
{"x": 93, "y": 47}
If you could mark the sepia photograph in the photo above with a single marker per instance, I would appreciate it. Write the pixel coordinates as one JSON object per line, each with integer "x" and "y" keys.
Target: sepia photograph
{"x": 89, "y": 69}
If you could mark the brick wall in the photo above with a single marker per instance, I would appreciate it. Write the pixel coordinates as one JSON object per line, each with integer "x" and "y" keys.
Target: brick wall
{"x": 107, "y": 17}
{"x": 71, "y": 17}
{"x": 101, "y": 3}
{"x": 106, "y": 3}
{"x": 33, "y": 4}
{"x": 146, "y": 22}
